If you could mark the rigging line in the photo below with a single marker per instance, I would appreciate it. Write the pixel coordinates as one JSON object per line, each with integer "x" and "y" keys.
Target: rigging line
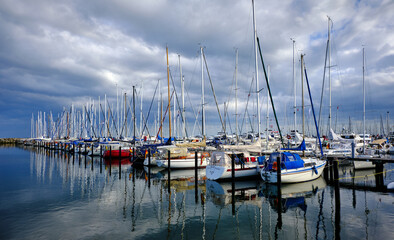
{"x": 88, "y": 113}
{"x": 246, "y": 107}
{"x": 112, "y": 117}
{"x": 322, "y": 88}
{"x": 313, "y": 111}
{"x": 269, "y": 91}
{"x": 109, "y": 131}
{"x": 213, "y": 90}
{"x": 164, "y": 117}
{"x": 177, "y": 100}
{"x": 194, "y": 112}
{"x": 150, "y": 107}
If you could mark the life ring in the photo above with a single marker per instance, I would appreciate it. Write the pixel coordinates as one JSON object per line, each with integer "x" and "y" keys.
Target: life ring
{"x": 386, "y": 146}
{"x": 274, "y": 165}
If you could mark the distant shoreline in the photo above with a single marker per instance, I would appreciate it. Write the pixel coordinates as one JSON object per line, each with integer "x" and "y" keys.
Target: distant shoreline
{"x": 9, "y": 140}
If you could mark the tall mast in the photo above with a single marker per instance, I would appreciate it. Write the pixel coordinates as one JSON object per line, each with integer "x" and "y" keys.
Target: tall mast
{"x": 256, "y": 71}
{"x": 329, "y": 70}
{"x": 125, "y": 114}
{"x": 105, "y": 115}
{"x": 117, "y": 109}
{"x": 183, "y": 99}
{"x": 295, "y": 91}
{"x": 363, "y": 103}
{"x": 388, "y": 126}
{"x": 267, "y": 116}
{"x": 169, "y": 97}
{"x": 141, "y": 117}
{"x": 302, "y": 96}
{"x": 202, "y": 93}
{"x": 236, "y": 96}
{"x": 134, "y": 115}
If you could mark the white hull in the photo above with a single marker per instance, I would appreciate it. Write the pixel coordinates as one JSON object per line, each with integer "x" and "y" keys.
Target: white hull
{"x": 181, "y": 163}
{"x": 223, "y": 172}
{"x": 294, "y": 175}
{"x": 363, "y": 165}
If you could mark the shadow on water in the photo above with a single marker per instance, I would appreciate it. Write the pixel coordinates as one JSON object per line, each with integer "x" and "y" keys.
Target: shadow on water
{"x": 83, "y": 197}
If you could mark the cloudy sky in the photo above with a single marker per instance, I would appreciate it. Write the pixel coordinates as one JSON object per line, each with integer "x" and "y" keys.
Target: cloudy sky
{"x": 57, "y": 53}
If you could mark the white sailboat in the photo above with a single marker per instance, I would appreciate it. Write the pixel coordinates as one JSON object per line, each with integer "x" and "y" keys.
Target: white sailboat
{"x": 293, "y": 168}
{"x": 220, "y": 165}
{"x": 363, "y": 164}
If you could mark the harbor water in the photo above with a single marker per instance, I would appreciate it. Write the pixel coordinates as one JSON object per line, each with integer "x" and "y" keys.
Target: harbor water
{"x": 47, "y": 194}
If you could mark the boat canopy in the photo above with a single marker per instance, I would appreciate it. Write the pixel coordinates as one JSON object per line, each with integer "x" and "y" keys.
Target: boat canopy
{"x": 289, "y": 160}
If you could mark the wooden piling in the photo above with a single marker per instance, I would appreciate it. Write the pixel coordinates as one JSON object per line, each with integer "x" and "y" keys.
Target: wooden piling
{"x": 195, "y": 177}
{"x": 169, "y": 171}
{"x": 120, "y": 162}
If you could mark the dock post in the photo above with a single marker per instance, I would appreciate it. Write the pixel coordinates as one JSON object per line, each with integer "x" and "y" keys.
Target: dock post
{"x": 169, "y": 171}
{"x": 195, "y": 177}
{"x": 278, "y": 171}
{"x": 233, "y": 184}
{"x": 149, "y": 158}
{"x": 148, "y": 167}
{"x": 91, "y": 167}
{"x": 337, "y": 200}
{"x": 331, "y": 169}
{"x": 85, "y": 155}
{"x": 379, "y": 181}
{"x": 279, "y": 189}
{"x": 110, "y": 160}
{"x": 325, "y": 171}
{"x": 120, "y": 162}
{"x": 353, "y": 149}
{"x": 101, "y": 158}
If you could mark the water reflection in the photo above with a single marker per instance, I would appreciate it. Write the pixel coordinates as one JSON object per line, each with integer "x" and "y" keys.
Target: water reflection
{"x": 73, "y": 194}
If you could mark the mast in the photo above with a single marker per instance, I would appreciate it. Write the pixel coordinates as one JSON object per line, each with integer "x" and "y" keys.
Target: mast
{"x": 105, "y": 114}
{"x": 267, "y": 117}
{"x": 141, "y": 117}
{"x": 295, "y": 92}
{"x": 388, "y": 126}
{"x": 302, "y": 98}
{"x": 202, "y": 94}
{"x": 363, "y": 102}
{"x": 329, "y": 71}
{"x": 169, "y": 98}
{"x": 256, "y": 71}
{"x": 183, "y": 99}
{"x": 117, "y": 108}
{"x": 236, "y": 96}
{"x": 134, "y": 115}
{"x": 125, "y": 114}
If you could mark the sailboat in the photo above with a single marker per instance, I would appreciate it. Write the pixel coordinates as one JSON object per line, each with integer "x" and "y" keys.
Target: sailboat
{"x": 363, "y": 164}
{"x": 220, "y": 166}
{"x": 293, "y": 168}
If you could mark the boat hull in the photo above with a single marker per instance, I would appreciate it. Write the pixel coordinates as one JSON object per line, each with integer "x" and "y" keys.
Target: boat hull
{"x": 118, "y": 154}
{"x": 294, "y": 175}
{"x": 223, "y": 172}
{"x": 181, "y": 163}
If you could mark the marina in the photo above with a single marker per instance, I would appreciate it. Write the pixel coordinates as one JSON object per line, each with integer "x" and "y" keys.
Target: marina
{"x": 155, "y": 120}
{"x": 54, "y": 193}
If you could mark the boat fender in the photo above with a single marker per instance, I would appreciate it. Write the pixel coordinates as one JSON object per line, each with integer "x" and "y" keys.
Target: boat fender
{"x": 274, "y": 166}
{"x": 314, "y": 170}
{"x": 390, "y": 186}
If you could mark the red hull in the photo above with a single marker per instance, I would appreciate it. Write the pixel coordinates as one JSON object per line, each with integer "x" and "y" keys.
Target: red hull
{"x": 115, "y": 154}
{"x": 115, "y": 161}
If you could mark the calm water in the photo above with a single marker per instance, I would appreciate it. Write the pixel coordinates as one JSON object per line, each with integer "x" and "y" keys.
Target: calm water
{"x": 44, "y": 195}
